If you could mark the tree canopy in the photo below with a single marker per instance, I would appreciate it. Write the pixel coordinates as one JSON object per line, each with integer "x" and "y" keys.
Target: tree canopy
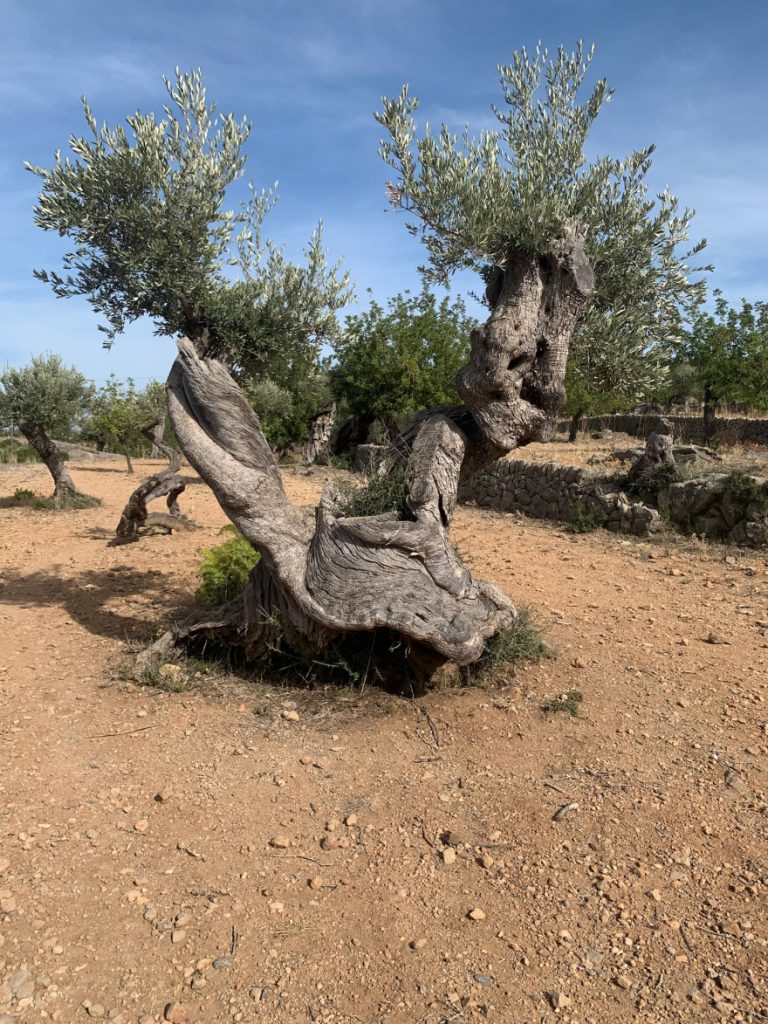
{"x": 45, "y": 393}
{"x": 145, "y": 207}
{"x": 473, "y": 200}
{"x": 724, "y": 353}
{"x": 400, "y": 359}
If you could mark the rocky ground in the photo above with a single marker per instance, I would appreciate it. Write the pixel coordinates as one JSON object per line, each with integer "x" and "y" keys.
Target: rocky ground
{"x": 237, "y": 851}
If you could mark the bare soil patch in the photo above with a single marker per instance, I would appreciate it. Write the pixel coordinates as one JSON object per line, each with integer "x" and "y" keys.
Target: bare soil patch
{"x": 199, "y": 848}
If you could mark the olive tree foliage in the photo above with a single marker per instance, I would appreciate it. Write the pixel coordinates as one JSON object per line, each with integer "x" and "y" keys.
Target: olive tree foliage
{"x": 43, "y": 399}
{"x": 145, "y": 207}
{"x": 120, "y": 410}
{"x": 476, "y": 198}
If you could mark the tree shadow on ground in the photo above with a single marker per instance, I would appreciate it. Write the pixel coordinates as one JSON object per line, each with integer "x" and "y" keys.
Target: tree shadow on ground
{"x": 96, "y": 599}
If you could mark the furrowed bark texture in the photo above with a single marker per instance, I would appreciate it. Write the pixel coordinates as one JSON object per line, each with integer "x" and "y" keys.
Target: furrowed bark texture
{"x": 327, "y": 576}
{"x": 167, "y": 484}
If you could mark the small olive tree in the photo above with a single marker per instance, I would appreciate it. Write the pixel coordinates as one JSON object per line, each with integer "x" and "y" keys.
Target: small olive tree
{"x": 42, "y": 399}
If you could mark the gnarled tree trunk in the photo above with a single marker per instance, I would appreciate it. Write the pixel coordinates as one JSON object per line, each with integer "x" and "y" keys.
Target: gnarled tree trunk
{"x": 64, "y": 485}
{"x": 157, "y": 433}
{"x": 320, "y": 429}
{"x": 325, "y": 576}
{"x": 167, "y": 483}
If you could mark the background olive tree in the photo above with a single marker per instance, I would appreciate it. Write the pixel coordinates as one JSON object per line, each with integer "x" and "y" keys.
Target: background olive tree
{"x": 723, "y": 356}
{"x": 395, "y": 360}
{"x": 43, "y": 399}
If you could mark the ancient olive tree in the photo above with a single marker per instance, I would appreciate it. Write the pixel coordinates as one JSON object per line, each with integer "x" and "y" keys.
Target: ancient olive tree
{"x": 516, "y": 204}
{"x": 635, "y": 243}
{"x": 42, "y": 399}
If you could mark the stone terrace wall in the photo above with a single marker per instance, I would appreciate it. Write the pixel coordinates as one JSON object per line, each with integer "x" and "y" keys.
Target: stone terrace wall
{"x": 541, "y": 490}
{"x": 548, "y": 491}
{"x": 688, "y": 429}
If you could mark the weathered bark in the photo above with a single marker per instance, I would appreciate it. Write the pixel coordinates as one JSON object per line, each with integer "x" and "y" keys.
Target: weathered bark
{"x": 168, "y": 484}
{"x": 320, "y": 581}
{"x": 320, "y": 429}
{"x": 64, "y": 485}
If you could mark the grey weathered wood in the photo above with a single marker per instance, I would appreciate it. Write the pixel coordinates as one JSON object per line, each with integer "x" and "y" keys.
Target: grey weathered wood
{"x": 325, "y": 575}
{"x": 168, "y": 484}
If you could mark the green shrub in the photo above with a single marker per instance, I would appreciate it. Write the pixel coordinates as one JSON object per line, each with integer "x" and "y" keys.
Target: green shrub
{"x": 385, "y": 493}
{"x": 225, "y": 568}
{"x": 744, "y": 491}
{"x": 519, "y": 643}
{"x": 586, "y": 520}
{"x": 652, "y": 481}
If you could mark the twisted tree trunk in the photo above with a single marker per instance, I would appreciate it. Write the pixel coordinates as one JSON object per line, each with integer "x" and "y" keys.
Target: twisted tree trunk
{"x": 64, "y": 485}
{"x": 320, "y": 429}
{"x": 325, "y": 576}
{"x": 168, "y": 483}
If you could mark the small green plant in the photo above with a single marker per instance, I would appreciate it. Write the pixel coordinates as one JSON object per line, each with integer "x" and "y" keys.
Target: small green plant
{"x": 25, "y": 498}
{"x": 568, "y": 703}
{"x": 748, "y": 495}
{"x": 519, "y": 643}
{"x": 382, "y": 493}
{"x": 79, "y": 500}
{"x": 586, "y": 520}
{"x": 652, "y": 481}
{"x": 225, "y": 568}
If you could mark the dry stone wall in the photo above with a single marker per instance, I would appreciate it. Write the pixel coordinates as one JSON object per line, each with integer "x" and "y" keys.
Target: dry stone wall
{"x": 688, "y": 429}
{"x": 548, "y": 491}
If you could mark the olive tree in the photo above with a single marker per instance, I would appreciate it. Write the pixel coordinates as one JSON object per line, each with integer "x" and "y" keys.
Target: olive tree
{"x": 482, "y": 201}
{"x": 42, "y": 399}
{"x": 518, "y": 204}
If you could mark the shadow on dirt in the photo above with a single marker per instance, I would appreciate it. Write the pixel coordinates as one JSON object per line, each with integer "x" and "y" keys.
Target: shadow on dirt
{"x": 122, "y": 604}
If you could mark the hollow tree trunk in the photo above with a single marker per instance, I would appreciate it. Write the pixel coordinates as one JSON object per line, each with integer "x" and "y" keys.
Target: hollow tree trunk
{"x": 320, "y": 429}
{"x": 64, "y": 485}
{"x": 334, "y": 576}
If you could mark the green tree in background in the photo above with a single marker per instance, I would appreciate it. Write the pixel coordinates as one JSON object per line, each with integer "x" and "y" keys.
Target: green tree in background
{"x": 43, "y": 399}
{"x": 725, "y": 355}
{"x": 396, "y": 360}
{"x": 120, "y": 411}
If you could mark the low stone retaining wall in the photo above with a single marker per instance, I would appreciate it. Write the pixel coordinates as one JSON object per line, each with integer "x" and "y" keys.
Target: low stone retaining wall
{"x": 548, "y": 491}
{"x": 688, "y": 429}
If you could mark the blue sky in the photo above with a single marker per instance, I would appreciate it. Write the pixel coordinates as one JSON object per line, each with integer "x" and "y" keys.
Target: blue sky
{"x": 689, "y": 76}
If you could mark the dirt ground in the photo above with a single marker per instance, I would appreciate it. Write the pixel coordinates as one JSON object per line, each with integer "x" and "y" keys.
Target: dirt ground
{"x": 195, "y": 855}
